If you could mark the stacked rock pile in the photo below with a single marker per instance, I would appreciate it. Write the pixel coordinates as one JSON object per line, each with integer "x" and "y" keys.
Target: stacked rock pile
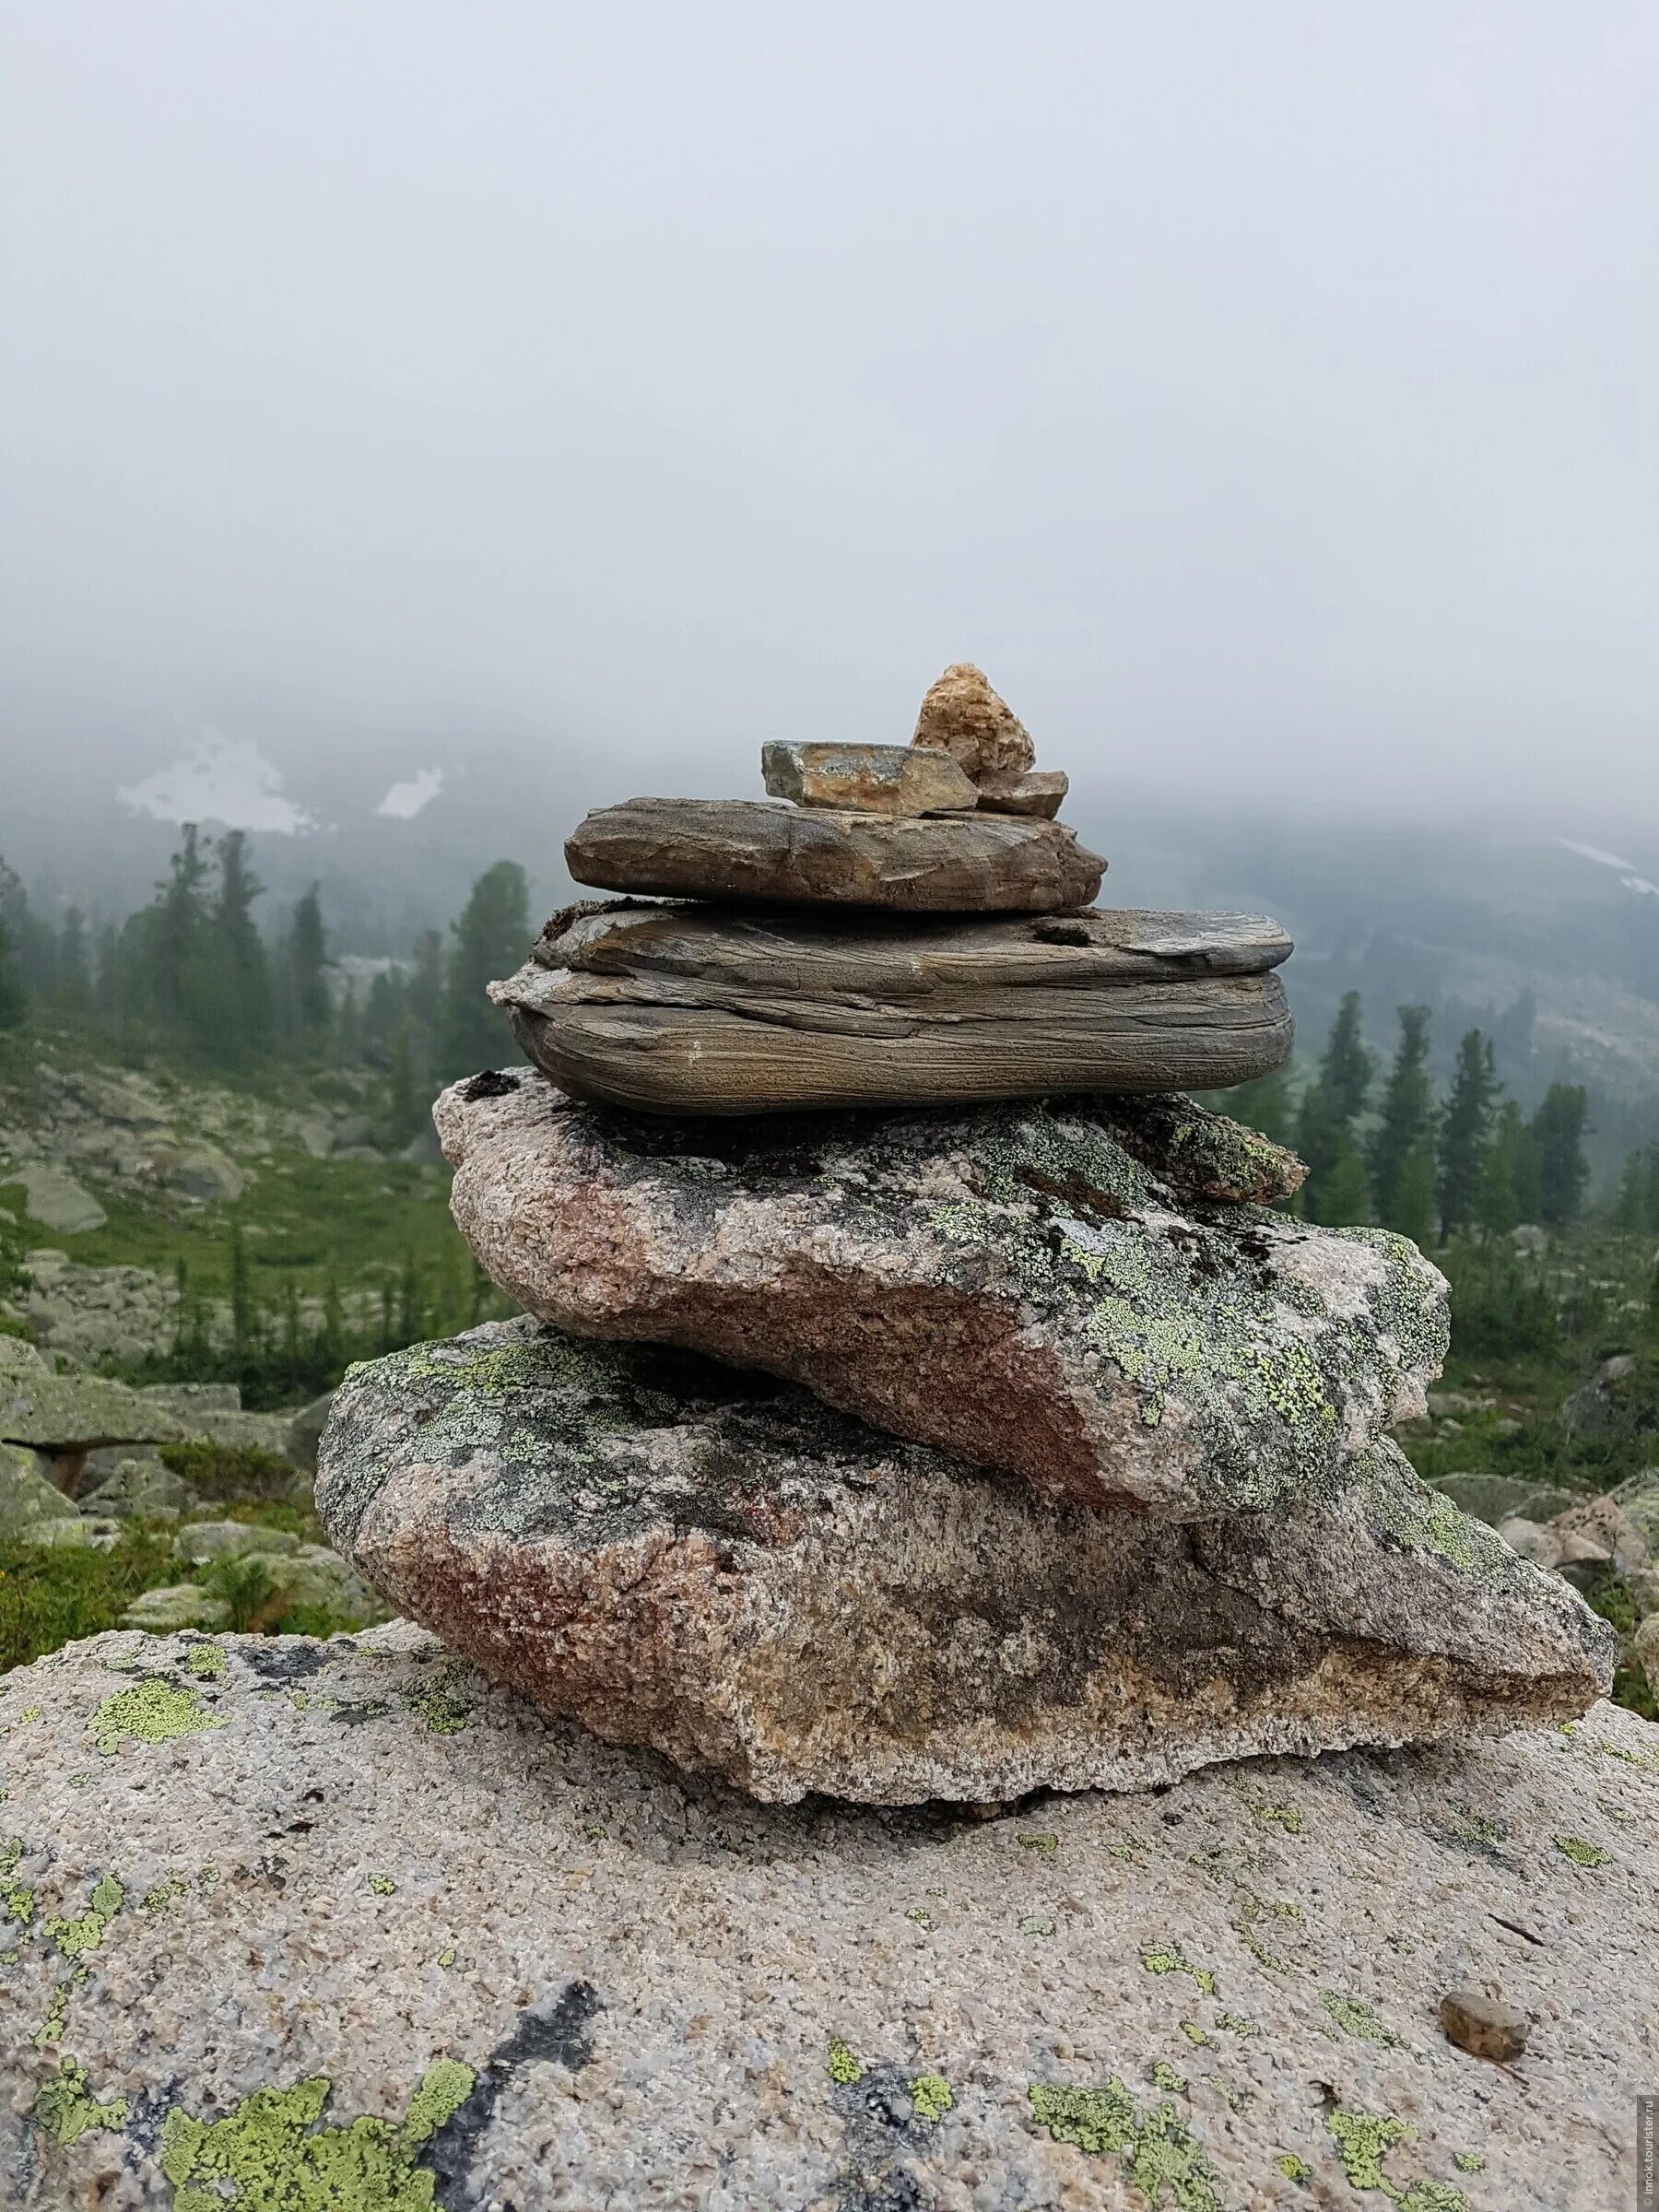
{"x": 897, "y": 923}
{"x": 970, "y": 1437}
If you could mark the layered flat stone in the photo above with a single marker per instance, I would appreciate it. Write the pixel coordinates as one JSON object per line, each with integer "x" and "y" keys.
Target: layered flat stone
{"x": 680, "y": 1555}
{"x": 700, "y": 1009}
{"x": 759, "y": 849}
{"x": 868, "y": 778}
{"x": 963, "y": 716}
{"x": 1041, "y": 792}
{"x": 1014, "y": 1284}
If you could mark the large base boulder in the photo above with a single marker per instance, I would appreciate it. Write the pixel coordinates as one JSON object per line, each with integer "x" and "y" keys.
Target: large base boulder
{"x": 681, "y": 1555}
{"x": 1017, "y": 1285}
{"x": 296, "y": 1924}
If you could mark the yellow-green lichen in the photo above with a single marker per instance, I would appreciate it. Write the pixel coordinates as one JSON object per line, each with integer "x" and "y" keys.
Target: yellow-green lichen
{"x": 161, "y": 1896}
{"x": 149, "y": 1712}
{"x": 931, "y": 2097}
{"x": 920, "y": 1914}
{"x": 206, "y": 1660}
{"x": 1579, "y": 1851}
{"x": 1468, "y": 2161}
{"x": 66, "y": 2108}
{"x": 444, "y": 1703}
{"x": 1038, "y": 1843}
{"x": 1355, "y": 2017}
{"x": 1196, "y": 2037}
{"x": 1235, "y": 2023}
{"x": 1037, "y": 1924}
{"x": 1364, "y": 2139}
{"x": 17, "y": 1899}
{"x": 1163, "y": 2076}
{"x": 50, "y": 2029}
{"x": 1292, "y": 2168}
{"x": 269, "y": 2154}
{"x": 1278, "y": 1815}
{"x": 1159, "y": 2152}
{"x": 1170, "y": 1959}
{"x": 843, "y": 2063}
{"x": 382, "y": 1885}
{"x": 85, "y": 1930}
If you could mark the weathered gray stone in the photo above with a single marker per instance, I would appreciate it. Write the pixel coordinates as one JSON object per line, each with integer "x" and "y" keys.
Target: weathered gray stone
{"x": 376, "y": 1920}
{"x": 28, "y": 1494}
{"x": 1496, "y": 1497}
{"x": 173, "y": 1607}
{"x": 760, "y": 849}
{"x": 1040, "y": 793}
{"x": 80, "y": 1532}
{"x": 73, "y": 1412}
{"x": 204, "y": 1541}
{"x": 867, "y": 778}
{"x": 696, "y": 1009}
{"x": 1012, "y": 1285}
{"x": 1485, "y": 2027}
{"x": 142, "y": 1487}
{"x": 963, "y": 716}
{"x": 304, "y": 1427}
{"x": 52, "y": 1197}
{"x": 676, "y": 1554}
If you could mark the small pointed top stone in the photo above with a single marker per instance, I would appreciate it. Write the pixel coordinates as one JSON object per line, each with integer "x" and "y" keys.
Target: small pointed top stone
{"x": 963, "y": 716}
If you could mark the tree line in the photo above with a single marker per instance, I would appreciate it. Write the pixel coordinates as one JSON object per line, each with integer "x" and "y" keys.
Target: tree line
{"x": 193, "y": 972}
{"x": 1427, "y": 1165}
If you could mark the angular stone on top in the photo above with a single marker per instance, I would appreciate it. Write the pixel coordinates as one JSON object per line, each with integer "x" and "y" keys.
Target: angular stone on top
{"x": 677, "y": 1554}
{"x": 867, "y": 778}
{"x": 1040, "y": 793}
{"x": 1013, "y": 1285}
{"x": 760, "y": 849}
{"x": 963, "y": 716}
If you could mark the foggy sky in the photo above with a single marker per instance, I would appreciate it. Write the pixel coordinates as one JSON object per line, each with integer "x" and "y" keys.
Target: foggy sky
{"x": 1263, "y": 394}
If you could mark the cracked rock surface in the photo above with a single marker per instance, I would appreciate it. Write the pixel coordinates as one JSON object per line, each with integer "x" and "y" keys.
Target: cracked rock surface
{"x": 293, "y": 1924}
{"x": 680, "y": 1554}
{"x": 1014, "y": 1284}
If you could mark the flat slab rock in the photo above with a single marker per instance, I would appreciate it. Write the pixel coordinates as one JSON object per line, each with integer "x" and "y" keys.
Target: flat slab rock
{"x": 302, "y": 1910}
{"x": 1014, "y": 1284}
{"x": 866, "y": 779}
{"x": 763, "y": 850}
{"x": 679, "y": 1554}
{"x": 700, "y": 1009}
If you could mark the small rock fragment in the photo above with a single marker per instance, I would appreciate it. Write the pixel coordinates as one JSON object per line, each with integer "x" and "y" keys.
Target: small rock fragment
{"x": 961, "y": 715}
{"x": 1040, "y": 793}
{"x": 871, "y": 779}
{"x": 1485, "y": 2027}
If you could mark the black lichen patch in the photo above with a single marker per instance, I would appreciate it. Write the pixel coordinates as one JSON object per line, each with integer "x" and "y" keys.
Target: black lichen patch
{"x": 289, "y": 1660}
{"x": 559, "y": 2035}
{"x": 879, "y": 2115}
{"x": 490, "y": 1083}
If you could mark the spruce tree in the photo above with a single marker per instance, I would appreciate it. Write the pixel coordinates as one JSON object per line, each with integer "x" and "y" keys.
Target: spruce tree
{"x": 1406, "y": 1124}
{"x": 1413, "y": 1211}
{"x": 1508, "y": 1179}
{"x": 175, "y": 926}
{"x": 1325, "y": 1132}
{"x": 1345, "y": 1066}
{"x": 73, "y": 967}
{"x": 14, "y": 997}
{"x": 1630, "y": 1207}
{"x": 1558, "y": 1133}
{"x": 1465, "y": 1132}
{"x": 487, "y": 942}
{"x": 307, "y": 964}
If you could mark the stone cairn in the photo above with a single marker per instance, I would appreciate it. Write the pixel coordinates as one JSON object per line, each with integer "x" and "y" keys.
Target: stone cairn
{"x": 915, "y": 1396}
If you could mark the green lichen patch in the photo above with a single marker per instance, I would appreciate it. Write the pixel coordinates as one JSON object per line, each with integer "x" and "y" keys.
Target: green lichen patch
{"x": 1468, "y": 2161}
{"x": 151, "y": 1712}
{"x": 1470, "y": 1826}
{"x": 270, "y": 2153}
{"x": 382, "y": 1885}
{"x": 1197, "y": 2036}
{"x": 1580, "y": 1851}
{"x": 85, "y": 1930}
{"x": 1235, "y": 2023}
{"x": 157, "y": 1899}
{"x": 50, "y": 2029}
{"x": 1355, "y": 2017}
{"x": 1159, "y": 2152}
{"x": 1170, "y": 1959}
{"x": 1163, "y": 2076}
{"x": 843, "y": 2063}
{"x": 445, "y": 1703}
{"x": 1278, "y": 1815}
{"x": 1292, "y": 2168}
{"x": 931, "y": 2097}
{"x": 206, "y": 1659}
{"x": 1038, "y": 1843}
{"x": 921, "y": 1915}
{"x": 66, "y": 2108}
{"x": 17, "y": 1899}
{"x": 1364, "y": 2139}
{"x": 1037, "y": 1924}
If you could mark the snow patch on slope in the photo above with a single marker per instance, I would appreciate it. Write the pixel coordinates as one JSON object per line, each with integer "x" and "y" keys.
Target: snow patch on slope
{"x": 406, "y": 799}
{"x": 219, "y": 779}
{"x": 1627, "y": 878}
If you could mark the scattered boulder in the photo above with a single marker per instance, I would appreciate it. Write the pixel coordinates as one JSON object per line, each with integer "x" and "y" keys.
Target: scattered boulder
{"x": 1604, "y": 1522}
{"x": 1645, "y": 1648}
{"x": 87, "y": 1532}
{"x": 176, "y": 1605}
{"x": 961, "y": 715}
{"x": 28, "y": 1495}
{"x": 656, "y": 1545}
{"x": 709, "y": 1010}
{"x": 204, "y": 1541}
{"x": 304, "y": 1427}
{"x": 1497, "y": 1498}
{"x": 1013, "y": 1286}
{"x": 1593, "y": 1410}
{"x": 587, "y": 1969}
{"x": 760, "y": 849}
{"x": 1638, "y": 1499}
{"x": 138, "y": 1487}
{"x": 52, "y": 1197}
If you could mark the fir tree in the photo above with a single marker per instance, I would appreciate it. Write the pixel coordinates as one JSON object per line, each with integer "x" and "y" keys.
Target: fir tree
{"x": 74, "y": 965}
{"x": 1345, "y": 1066}
{"x": 307, "y": 965}
{"x": 1557, "y": 1134}
{"x": 239, "y": 1017}
{"x": 488, "y": 942}
{"x": 1406, "y": 1126}
{"x": 1509, "y": 1178}
{"x": 1325, "y": 1119}
{"x": 176, "y": 924}
{"x": 1630, "y": 1207}
{"x": 1465, "y": 1132}
{"x": 1414, "y": 1212}
{"x": 14, "y": 998}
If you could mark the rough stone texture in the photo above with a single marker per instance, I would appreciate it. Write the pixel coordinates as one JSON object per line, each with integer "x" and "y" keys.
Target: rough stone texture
{"x": 681, "y": 1555}
{"x": 73, "y": 1412}
{"x": 52, "y": 1197}
{"x": 760, "y": 849}
{"x": 867, "y": 778}
{"x": 962, "y": 716}
{"x": 28, "y": 1494}
{"x": 1012, "y": 1285}
{"x": 1040, "y": 793}
{"x": 176, "y": 1605}
{"x": 1485, "y": 2027}
{"x": 139, "y": 1486}
{"x": 676, "y": 1009}
{"x": 477, "y": 1959}
{"x": 1495, "y": 1498}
